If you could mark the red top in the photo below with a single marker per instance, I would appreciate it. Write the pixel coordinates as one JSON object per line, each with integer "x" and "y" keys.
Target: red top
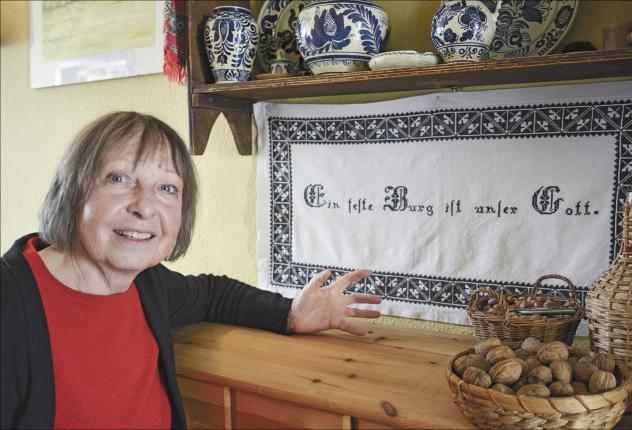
{"x": 105, "y": 357}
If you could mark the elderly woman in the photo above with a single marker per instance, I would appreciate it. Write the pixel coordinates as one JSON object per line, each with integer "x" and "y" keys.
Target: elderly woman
{"x": 87, "y": 306}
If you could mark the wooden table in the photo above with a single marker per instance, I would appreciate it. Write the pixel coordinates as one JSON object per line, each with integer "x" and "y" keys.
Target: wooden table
{"x": 234, "y": 377}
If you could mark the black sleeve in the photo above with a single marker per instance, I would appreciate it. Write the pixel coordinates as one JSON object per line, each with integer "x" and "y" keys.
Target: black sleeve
{"x": 222, "y": 299}
{"x": 13, "y": 351}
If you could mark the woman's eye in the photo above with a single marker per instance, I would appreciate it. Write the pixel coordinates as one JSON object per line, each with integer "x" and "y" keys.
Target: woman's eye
{"x": 115, "y": 178}
{"x": 171, "y": 189}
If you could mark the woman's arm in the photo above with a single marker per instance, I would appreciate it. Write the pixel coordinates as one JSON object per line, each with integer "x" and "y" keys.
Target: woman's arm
{"x": 213, "y": 298}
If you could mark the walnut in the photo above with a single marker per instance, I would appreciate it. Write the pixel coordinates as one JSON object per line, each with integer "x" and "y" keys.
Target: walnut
{"x": 579, "y": 387}
{"x": 506, "y": 371}
{"x": 470, "y": 360}
{"x": 537, "y": 390}
{"x": 476, "y": 376}
{"x": 585, "y": 359}
{"x": 561, "y": 371}
{"x": 499, "y": 353}
{"x": 532, "y": 362}
{"x": 572, "y": 360}
{"x": 484, "y": 346}
{"x": 551, "y": 351}
{"x": 531, "y": 344}
{"x": 583, "y": 370}
{"x": 523, "y": 353}
{"x": 603, "y": 362}
{"x": 561, "y": 389}
{"x": 525, "y": 368}
{"x": 601, "y": 381}
{"x": 520, "y": 383}
{"x": 540, "y": 375}
{"x": 503, "y": 389}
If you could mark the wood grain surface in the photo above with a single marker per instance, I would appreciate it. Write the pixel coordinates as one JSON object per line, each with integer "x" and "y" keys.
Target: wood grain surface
{"x": 391, "y": 378}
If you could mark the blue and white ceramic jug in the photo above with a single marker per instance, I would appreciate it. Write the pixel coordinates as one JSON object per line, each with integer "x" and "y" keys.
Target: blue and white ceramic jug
{"x": 463, "y": 30}
{"x": 231, "y": 38}
{"x": 281, "y": 65}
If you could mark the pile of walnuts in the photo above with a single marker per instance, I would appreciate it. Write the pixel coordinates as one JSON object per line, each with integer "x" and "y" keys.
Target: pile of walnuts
{"x": 516, "y": 303}
{"x": 536, "y": 369}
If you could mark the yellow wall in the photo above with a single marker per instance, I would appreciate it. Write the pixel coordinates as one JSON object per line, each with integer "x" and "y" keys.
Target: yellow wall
{"x": 37, "y": 124}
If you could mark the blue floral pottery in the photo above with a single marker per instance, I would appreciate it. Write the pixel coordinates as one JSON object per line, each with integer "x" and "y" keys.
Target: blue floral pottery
{"x": 231, "y": 37}
{"x": 463, "y": 30}
{"x": 281, "y": 65}
{"x": 341, "y": 36}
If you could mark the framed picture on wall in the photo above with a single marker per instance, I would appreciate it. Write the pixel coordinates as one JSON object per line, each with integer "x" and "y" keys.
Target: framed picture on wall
{"x": 84, "y": 41}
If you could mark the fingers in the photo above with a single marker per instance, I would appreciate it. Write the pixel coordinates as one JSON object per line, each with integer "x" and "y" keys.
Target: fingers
{"x": 362, "y": 313}
{"x": 351, "y": 328}
{"x": 319, "y": 279}
{"x": 352, "y": 277}
{"x": 363, "y": 298}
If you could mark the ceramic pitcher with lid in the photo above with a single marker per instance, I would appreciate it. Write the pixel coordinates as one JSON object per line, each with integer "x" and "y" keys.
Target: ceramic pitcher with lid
{"x": 463, "y": 30}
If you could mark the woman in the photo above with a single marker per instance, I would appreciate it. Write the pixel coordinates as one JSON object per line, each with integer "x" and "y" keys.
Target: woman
{"x": 87, "y": 307}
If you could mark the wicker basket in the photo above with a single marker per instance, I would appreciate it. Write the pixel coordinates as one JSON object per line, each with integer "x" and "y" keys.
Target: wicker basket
{"x": 609, "y": 301}
{"x": 487, "y": 408}
{"x": 513, "y": 331}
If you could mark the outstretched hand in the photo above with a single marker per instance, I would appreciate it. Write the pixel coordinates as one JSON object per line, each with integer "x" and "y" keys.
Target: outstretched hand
{"x": 317, "y": 308}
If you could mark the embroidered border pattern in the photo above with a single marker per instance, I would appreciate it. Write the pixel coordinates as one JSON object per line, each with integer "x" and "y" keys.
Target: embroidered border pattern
{"x": 569, "y": 119}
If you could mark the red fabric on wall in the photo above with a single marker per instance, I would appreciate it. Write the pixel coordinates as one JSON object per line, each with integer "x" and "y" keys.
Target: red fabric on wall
{"x": 105, "y": 357}
{"x": 174, "y": 65}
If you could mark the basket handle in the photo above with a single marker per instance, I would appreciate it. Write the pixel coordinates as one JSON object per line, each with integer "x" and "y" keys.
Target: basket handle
{"x": 568, "y": 282}
{"x": 502, "y": 301}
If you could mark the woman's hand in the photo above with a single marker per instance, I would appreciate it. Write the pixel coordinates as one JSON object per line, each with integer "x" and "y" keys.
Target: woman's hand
{"x": 318, "y": 308}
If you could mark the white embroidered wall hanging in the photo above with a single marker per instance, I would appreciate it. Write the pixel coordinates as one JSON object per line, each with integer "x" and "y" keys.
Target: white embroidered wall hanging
{"x": 444, "y": 193}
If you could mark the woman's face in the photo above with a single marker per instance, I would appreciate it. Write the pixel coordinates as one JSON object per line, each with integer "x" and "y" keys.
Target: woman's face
{"x": 132, "y": 216}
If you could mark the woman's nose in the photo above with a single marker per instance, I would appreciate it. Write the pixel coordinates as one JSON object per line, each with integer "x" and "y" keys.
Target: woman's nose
{"x": 143, "y": 203}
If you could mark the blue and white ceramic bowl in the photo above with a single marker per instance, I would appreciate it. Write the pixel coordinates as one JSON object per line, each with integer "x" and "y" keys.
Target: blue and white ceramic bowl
{"x": 231, "y": 38}
{"x": 341, "y": 36}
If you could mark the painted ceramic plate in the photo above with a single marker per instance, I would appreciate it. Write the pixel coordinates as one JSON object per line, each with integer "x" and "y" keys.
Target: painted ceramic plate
{"x": 267, "y": 27}
{"x": 531, "y": 27}
{"x": 276, "y": 31}
{"x": 285, "y": 34}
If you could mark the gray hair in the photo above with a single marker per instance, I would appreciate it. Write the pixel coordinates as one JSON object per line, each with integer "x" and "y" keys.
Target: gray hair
{"x": 79, "y": 167}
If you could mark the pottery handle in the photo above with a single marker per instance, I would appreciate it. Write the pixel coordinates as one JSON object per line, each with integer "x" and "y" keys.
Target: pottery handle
{"x": 496, "y": 12}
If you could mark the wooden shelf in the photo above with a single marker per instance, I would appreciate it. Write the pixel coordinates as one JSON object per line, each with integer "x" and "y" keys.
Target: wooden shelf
{"x": 559, "y": 67}
{"x": 207, "y": 101}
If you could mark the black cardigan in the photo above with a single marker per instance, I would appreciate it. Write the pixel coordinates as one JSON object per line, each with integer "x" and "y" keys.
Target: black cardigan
{"x": 168, "y": 298}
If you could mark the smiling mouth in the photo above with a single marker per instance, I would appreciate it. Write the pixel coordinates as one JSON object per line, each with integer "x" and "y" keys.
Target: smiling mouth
{"x": 134, "y": 235}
